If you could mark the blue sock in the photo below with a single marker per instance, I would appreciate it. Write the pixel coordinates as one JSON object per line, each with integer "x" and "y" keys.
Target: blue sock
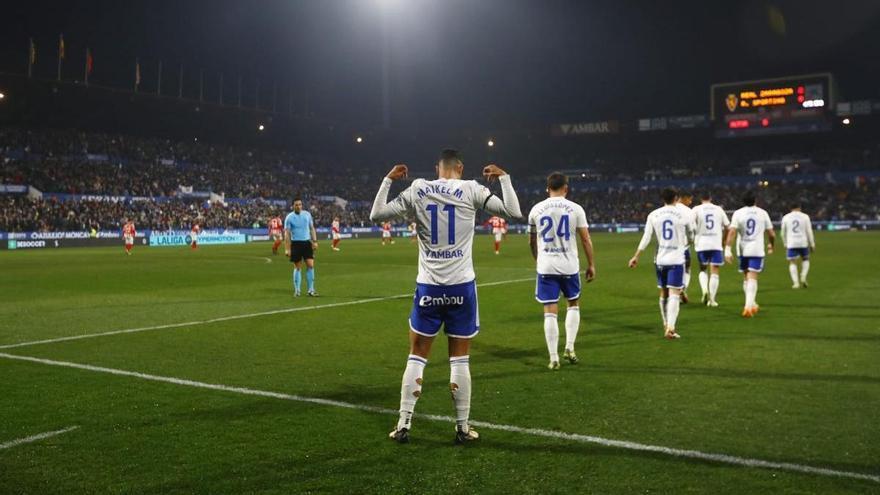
{"x": 297, "y": 279}
{"x": 310, "y": 278}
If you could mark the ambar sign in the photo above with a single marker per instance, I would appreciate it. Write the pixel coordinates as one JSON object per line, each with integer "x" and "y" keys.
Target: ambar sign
{"x": 583, "y": 128}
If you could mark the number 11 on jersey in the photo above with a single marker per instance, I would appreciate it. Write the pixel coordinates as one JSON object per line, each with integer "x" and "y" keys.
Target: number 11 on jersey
{"x": 450, "y": 211}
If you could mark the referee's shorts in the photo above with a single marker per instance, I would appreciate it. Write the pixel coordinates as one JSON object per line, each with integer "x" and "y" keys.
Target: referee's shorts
{"x": 301, "y": 250}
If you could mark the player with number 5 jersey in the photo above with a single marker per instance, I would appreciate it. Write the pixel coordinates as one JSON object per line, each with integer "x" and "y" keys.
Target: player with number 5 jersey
{"x": 446, "y": 294}
{"x": 711, "y": 225}
{"x": 673, "y": 229}
{"x": 555, "y": 226}
{"x": 750, "y": 223}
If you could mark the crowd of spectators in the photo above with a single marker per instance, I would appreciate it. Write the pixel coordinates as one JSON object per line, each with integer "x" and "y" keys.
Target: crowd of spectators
{"x": 155, "y": 174}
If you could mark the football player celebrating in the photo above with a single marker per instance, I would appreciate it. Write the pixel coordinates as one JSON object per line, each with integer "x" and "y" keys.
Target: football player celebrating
{"x": 555, "y": 226}
{"x": 797, "y": 235}
{"x": 446, "y": 292}
{"x": 673, "y": 229}
{"x": 750, "y": 222}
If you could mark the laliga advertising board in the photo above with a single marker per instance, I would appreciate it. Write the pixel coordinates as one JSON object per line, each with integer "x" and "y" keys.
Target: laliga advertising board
{"x": 184, "y": 239}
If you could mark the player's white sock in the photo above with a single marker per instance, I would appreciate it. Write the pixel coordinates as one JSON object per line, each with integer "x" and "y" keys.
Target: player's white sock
{"x": 805, "y": 269}
{"x": 704, "y": 282}
{"x": 460, "y": 387}
{"x": 751, "y": 292}
{"x": 572, "y": 325}
{"x": 686, "y": 279}
{"x": 672, "y": 306}
{"x": 713, "y": 286}
{"x": 663, "y": 310}
{"x": 410, "y": 389}
{"x": 793, "y": 272}
{"x": 551, "y": 335}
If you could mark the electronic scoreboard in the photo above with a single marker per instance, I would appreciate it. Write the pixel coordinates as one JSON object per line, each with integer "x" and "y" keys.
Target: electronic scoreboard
{"x": 773, "y": 106}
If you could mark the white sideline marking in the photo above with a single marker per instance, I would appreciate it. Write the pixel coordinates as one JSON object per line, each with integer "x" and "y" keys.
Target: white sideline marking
{"x": 233, "y": 317}
{"x": 35, "y": 438}
{"x": 538, "y": 432}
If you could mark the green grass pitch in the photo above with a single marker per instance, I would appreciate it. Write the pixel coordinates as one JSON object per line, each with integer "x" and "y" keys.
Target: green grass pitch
{"x": 800, "y": 383}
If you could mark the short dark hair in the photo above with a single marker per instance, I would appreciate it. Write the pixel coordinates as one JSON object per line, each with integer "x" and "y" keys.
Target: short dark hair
{"x": 669, "y": 194}
{"x": 684, "y": 194}
{"x": 556, "y": 181}
{"x": 795, "y": 204}
{"x": 706, "y": 196}
{"x": 450, "y": 155}
{"x": 749, "y": 198}
{"x": 297, "y": 199}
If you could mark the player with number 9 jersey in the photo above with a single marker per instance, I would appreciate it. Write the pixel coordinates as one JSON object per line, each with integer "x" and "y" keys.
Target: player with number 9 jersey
{"x": 749, "y": 224}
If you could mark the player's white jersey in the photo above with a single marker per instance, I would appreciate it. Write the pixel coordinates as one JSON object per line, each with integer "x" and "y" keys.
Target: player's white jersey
{"x": 750, "y": 223}
{"x": 797, "y": 230}
{"x": 688, "y": 215}
{"x": 555, "y": 222}
{"x": 672, "y": 227}
{"x": 711, "y": 225}
{"x": 444, "y": 210}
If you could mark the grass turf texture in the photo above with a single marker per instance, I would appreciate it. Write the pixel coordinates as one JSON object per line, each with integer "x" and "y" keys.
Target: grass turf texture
{"x": 800, "y": 383}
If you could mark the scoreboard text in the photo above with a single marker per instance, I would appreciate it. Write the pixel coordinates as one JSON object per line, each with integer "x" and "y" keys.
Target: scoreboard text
{"x": 772, "y": 106}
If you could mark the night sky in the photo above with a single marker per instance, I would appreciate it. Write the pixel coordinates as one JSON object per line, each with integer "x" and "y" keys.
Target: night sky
{"x": 457, "y": 63}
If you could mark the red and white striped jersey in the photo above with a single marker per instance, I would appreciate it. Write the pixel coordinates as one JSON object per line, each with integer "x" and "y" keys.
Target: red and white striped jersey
{"x": 275, "y": 225}
{"x": 498, "y": 224}
{"x": 335, "y": 226}
{"x": 386, "y": 226}
{"x": 128, "y": 230}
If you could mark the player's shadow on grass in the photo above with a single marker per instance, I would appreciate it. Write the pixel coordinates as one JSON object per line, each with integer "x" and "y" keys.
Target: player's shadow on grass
{"x": 734, "y": 374}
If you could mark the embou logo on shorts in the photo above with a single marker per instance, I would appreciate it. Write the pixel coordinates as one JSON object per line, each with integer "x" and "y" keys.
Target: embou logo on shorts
{"x": 443, "y": 300}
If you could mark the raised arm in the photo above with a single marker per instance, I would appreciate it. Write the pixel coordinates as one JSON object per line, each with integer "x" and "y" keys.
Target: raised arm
{"x": 509, "y": 206}
{"x": 383, "y": 210}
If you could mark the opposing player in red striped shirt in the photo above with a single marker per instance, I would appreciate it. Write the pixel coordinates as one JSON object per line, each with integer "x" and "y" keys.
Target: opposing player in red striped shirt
{"x": 276, "y": 233}
{"x": 128, "y": 235}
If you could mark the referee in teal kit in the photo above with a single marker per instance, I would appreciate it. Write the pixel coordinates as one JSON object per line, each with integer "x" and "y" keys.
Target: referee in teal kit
{"x": 301, "y": 242}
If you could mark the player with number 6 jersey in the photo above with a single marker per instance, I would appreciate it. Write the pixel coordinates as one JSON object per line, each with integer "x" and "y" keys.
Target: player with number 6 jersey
{"x": 711, "y": 224}
{"x": 555, "y": 226}
{"x": 673, "y": 230}
{"x": 446, "y": 293}
{"x": 750, "y": 222}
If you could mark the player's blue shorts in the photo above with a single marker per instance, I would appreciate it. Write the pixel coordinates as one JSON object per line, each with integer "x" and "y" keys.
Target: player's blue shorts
{"x": 548, "y": 287}
{"x": 711, "y": 257}
{"x": 795, "y": 253}
{"x": 751, "y": 263}
{"x": 452, "y": 306}
{"x": 670, "y": 276}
